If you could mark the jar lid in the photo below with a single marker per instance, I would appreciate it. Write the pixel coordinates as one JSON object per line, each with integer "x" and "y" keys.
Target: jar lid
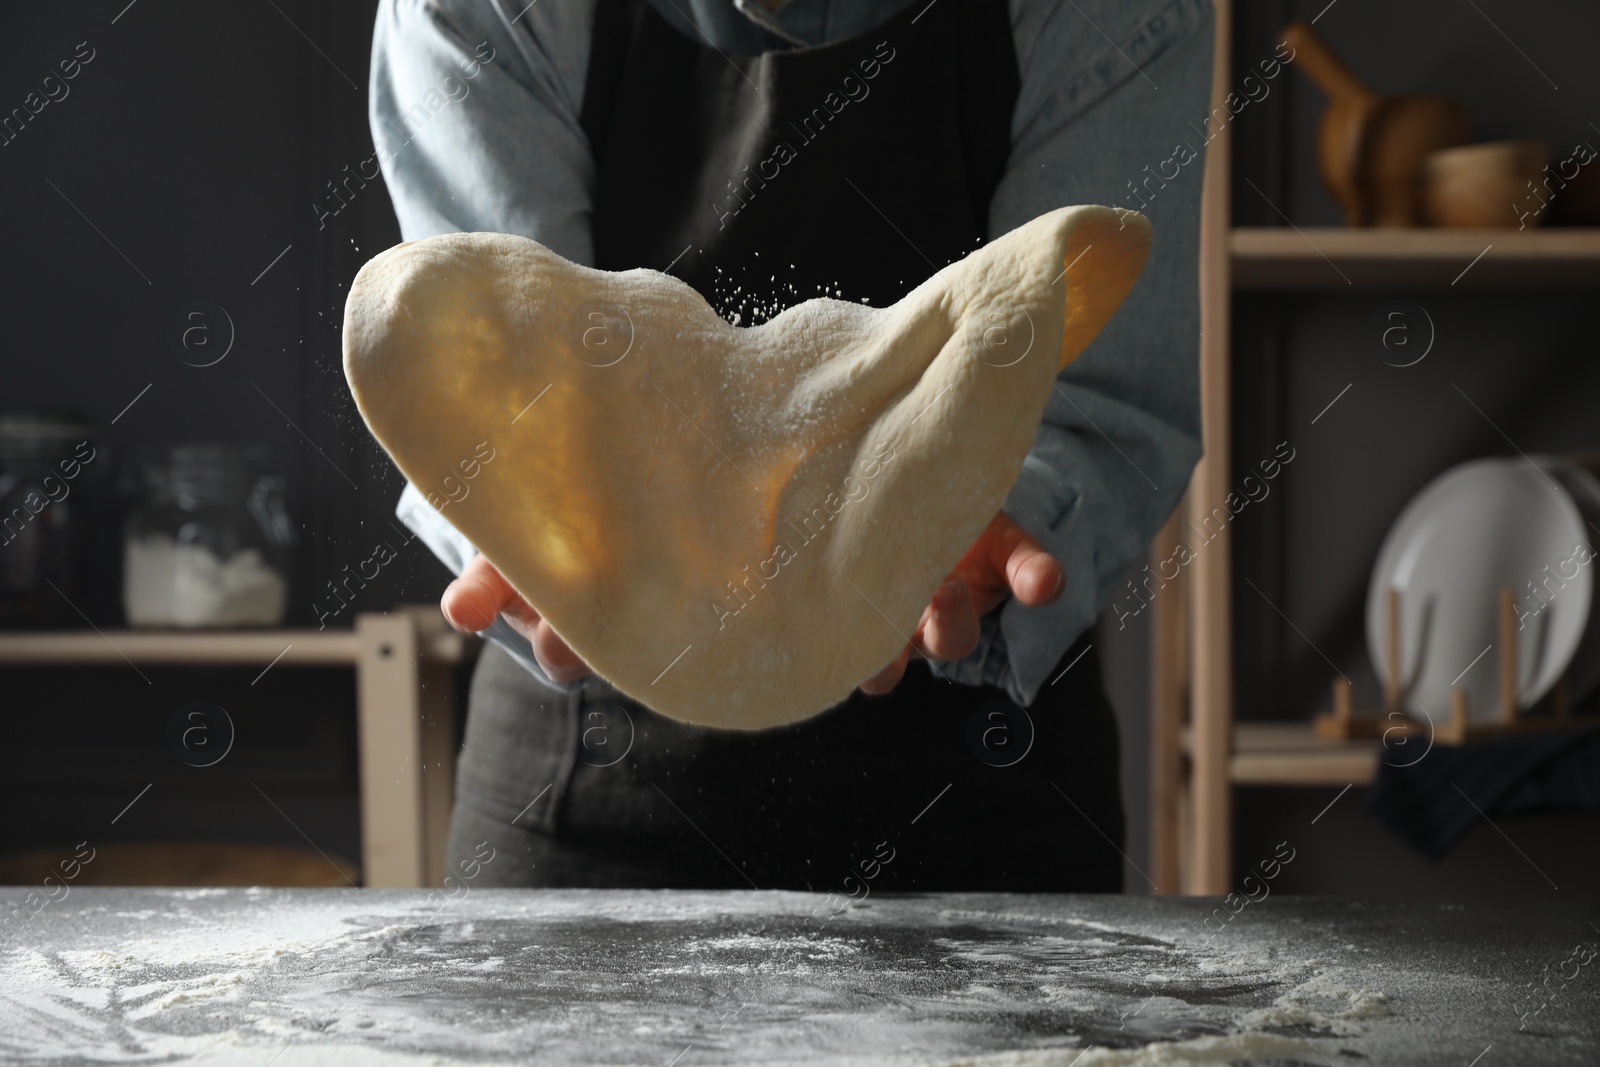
{"x": 213, "y": 454}
{"x": 44, "y": 424}
{"x": 210, "y": 470}
{"x": 41, "y": 435}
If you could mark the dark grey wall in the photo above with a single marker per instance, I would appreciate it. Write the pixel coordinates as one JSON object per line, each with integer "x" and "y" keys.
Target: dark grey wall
{"x": 191, "y": 150}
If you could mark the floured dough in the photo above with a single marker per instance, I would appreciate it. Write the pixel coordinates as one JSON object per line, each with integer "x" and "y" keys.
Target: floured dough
{"x": 734, "y": 526}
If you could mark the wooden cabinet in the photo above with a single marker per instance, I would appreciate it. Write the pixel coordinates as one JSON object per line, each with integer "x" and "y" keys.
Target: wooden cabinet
{"x": 1198, "y": 751}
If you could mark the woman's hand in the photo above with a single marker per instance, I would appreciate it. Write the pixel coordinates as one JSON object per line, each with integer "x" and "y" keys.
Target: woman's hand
{"x": 471, "y": 602}
{"x": 1005, "y": 561}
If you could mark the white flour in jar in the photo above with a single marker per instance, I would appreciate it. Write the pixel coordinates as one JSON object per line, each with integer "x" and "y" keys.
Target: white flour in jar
{"x": 170, "y": 584}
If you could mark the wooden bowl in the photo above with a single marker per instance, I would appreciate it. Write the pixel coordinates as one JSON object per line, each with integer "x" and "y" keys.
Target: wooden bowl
{"x": 1486, "y": 186}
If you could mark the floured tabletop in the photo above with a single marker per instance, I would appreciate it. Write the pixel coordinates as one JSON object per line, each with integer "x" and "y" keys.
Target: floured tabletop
{"x": 683, "y": 979}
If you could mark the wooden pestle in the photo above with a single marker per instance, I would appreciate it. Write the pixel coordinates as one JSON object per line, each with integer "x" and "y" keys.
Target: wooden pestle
{"x": 1371, "y": 148}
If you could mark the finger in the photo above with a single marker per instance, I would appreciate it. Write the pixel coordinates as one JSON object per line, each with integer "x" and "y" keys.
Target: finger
{"x": 889, "y": 677}
{"x": 558, "y": 660}
{"x": 951, "y": 630}
{"x": 1035, "y": 576}
{"x": 471, "y": 602}
{"x": 1032, "y": 574}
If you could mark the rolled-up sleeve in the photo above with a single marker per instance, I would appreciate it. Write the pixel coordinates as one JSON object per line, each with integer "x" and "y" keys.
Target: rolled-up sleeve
{"x": 1113, "y": 97}
{"x": 475, "y": 118}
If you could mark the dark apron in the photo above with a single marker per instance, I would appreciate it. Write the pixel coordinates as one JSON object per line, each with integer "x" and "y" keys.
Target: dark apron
{"x": 858, "y": 169}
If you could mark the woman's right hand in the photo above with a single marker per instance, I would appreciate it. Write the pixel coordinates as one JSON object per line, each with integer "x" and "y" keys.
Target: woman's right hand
{"x": 471, "y": 602}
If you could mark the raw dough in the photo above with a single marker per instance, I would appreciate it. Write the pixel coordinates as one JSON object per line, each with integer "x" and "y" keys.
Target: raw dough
{"x": 734, "y": 526}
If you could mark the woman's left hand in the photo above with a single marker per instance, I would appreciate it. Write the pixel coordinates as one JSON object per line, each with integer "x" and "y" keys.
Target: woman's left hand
{"x": 1005, "y": 561}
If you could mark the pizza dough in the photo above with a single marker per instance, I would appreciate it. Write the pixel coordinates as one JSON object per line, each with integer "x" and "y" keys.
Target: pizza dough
{"x": 734, "y": 526}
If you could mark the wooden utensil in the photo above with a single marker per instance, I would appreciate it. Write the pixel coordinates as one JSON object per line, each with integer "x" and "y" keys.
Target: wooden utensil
{"x": 1371, "y": 148}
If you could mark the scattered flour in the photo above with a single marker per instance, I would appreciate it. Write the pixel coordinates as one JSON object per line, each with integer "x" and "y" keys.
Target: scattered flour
{"x": 1322, "y": 1003}
{"x": 1226, "y": 1049}
{"x": 323, "y": 983}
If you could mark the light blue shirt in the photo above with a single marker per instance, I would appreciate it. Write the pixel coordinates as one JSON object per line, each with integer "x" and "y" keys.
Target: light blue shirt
{"x": 474, "y": 114}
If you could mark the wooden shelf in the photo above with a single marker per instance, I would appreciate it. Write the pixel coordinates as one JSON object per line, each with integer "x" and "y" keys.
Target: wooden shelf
{"x": 1279, "y": 258}
{"x": 299, "y": 648}
{"x": 1290, "y": 753}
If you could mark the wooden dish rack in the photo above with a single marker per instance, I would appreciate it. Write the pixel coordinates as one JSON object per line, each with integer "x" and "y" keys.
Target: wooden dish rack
{"x": 1344, "y": 724}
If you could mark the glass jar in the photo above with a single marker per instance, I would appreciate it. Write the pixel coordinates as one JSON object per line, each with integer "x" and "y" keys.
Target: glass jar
{"x": 51, "y": 474}
{"x": 207, "y": 546}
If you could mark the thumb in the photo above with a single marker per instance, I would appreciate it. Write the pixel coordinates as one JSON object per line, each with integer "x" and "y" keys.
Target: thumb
{"x": 1007, "y": 560}
{"x": 472, "y": 601}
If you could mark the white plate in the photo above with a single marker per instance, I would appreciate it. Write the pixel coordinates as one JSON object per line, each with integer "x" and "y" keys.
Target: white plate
{"x": 1477, "y": 527}
{"x": 1583, "y": 674}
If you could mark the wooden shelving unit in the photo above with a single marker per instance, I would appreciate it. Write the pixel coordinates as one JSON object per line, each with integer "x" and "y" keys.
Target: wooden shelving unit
{"x": 1198, "y": 752}
{"x": 1290, "y": 753}
{"x": 1327, "y": 260}
{"x": 405, "y": 715}
{"x": 300, "y": 648}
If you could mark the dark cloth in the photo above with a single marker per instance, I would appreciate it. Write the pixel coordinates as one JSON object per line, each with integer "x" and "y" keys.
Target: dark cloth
{"x": 944, "y": 777}
{"x": 857, "y": 167}
{"x": 1430, "y": 804}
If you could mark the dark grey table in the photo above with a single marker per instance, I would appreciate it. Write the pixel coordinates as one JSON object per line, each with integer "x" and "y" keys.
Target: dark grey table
{"x": 673, "y": 979}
